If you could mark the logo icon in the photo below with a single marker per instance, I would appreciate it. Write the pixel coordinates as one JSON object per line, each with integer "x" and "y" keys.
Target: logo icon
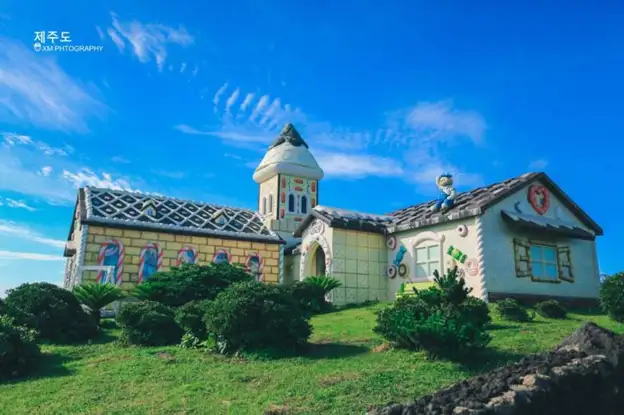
{"x": 37, "y": 47}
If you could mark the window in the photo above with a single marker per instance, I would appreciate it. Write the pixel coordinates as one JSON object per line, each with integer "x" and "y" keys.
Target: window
{"x": 291, "y": 203}
{"x": 544, "y": 262}
{"x": 427, "y": 261}
{"x": 271, "y": 203}
{"x": 222, "y": 256}
{"x": 186, "y": 255}
{"x": 149, "y": 263}
{"x": 220, "y": 220}
{"x": 304, "y": 204}
{"x": 264, "y": 207}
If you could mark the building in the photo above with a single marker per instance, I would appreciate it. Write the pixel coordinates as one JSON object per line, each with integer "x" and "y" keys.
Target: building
{"x": 523, "y": 237}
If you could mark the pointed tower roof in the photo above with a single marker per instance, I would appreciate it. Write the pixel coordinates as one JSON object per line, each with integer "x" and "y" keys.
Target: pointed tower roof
{"x": 288, "y": 154}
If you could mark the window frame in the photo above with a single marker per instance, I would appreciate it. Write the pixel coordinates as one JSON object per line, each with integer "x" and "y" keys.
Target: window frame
{"x": 303, "y": 206}
{"x": 294, "y": 203}
{"x": 563, "y": 260}
{"x": 428, "y": 244}
{"x": 270, "y": 210}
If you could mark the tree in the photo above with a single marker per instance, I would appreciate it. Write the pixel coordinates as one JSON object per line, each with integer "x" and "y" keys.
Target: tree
{"x": 97, "y": 296}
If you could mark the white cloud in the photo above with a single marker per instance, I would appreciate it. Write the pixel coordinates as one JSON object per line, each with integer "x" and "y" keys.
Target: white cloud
{"x": 86, "y": 177}
{"x": 35, "y": 90}
{"x": 19, "y": 231}
{"x": 539, "y": 164}
{"x": 260, "y": 106}
{"x": 170, "y": 174}
{"x": 149, "y": 42}
{"x": 245, "y": 104}
{"x": 218, "y": 94}
{"x": 120, "y": 159}
{"x": 232, "y": 100}
{"x": 10, "y": 255}
{"x": 100, "y": 32}
{"x": 358, "y": 166}
{"x": 19, "y": 204}
{"x": 11, "y": 139}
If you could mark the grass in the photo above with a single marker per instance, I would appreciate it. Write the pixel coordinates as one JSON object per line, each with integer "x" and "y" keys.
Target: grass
{"x": 347, "y": 371}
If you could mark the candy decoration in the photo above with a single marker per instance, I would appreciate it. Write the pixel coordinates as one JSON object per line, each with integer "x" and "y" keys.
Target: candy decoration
{"x": 462, "y": 230}
{"x": 282, "y": 213}
{"x": 110, "y": 248}
{"x": 403, "y": 271}
{"x": 283, "y": 182}
{"x": 159, "y": 253}
{"x": 391, "y": 242}
{"x": 313, "y": 202}
{"x": 539, "y": 198}
{"x": 299, "y": 188}
{"x": 283, "y": 197}
{"x": 184, "y": 258}
{"x": 399, "y": 256}
{"x": 472, "y": 267}
{"x": 391, "y": 271}
{"x": 456, "y": 254}
{"x": 222, "y": 256}
{"x": 313, "y": 186}
{"x": 299, "y": 181}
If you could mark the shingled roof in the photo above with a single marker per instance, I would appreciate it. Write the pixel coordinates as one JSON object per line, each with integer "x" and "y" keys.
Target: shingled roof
{"x": 467, "y": 204}
{"x": 119, "y": 208}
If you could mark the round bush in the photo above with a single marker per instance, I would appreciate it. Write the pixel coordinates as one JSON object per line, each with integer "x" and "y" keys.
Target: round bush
{"x": 551, "y": 309}
{"x": 256, "y": 316}
{"x": 55, "y": 313}
{"x": 148, "y": 323}
{"x": 612, "y": 296}
{"x": 311, "y": 297}
{"x": 475, "y": 311}
{"x": 511, "y": 310}
{"x": 190, "y": 317}
{"x": 19, "y": 352}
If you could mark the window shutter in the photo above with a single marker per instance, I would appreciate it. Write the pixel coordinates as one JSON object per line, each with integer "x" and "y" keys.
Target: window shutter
{"x": 565, "y": 264}
{"x": 522, "y": 258}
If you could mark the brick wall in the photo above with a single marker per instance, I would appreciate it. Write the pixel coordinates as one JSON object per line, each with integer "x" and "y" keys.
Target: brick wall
{"x": 134, "y": 241}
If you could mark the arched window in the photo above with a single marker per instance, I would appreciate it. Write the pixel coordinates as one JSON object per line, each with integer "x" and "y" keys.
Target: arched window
{"x": 150, "y": 261}
{"x": 291, "y": 203}
{"x": 111, "y": 254}
{"x": 222, "y": 256}
{"x": 186, "y": 255}
{"x": 304, "y": 204}
{"x": 264, "y": 207}
{"x": 271, "y": 203}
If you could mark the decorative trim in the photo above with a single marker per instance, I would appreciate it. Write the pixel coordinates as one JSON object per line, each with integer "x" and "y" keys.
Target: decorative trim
{"x": 263, "y": 173}
{"x": 391, "y": 271}
{"x": 391, "y": 242}
{"x": 483, "y": 292}
{"x": 80, "y": 257}
{"x": 180, "y": 256}
{"x": 532, "y": 194}
{"x": 280, "y": 276}
{"x": 159, "y": 253}
{"x": 119, "y": 268}
{"x": 316, "y": 228}
{"x": 222, "y": 251}
{"x": 322, "y": 242}
{"x": 462, "y": 230}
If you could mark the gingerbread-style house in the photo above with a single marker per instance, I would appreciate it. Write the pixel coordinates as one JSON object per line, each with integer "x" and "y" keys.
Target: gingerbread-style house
{"x": 523, "y": 237}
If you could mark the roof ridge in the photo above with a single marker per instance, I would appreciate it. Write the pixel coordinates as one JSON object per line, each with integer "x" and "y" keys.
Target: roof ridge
{"x": 290, "y": 135}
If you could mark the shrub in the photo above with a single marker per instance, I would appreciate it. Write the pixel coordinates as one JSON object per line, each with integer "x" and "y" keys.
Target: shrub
{"x": 20, "y": 317}
{"x": 97, "y": 296}
{"x": 310, "y": 297}
{"x": 148, "y": 323}
{"x": 551, "y": 309}
{"x": 444, "y": 320}
{"x": 190, "y": 282}
{"x": 190, "y": 317}
{"x": 19, "y": 352}
{"x": 325, "y": 282}
{"x": 252, "y": 316}
{"x": 612, "y": 296}
{"x": 56, "y": 313}
{"x": 511, "y": 310}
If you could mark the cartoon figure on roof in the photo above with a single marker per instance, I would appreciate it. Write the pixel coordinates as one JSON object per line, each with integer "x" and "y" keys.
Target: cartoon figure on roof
{"x": 447, "y": 193}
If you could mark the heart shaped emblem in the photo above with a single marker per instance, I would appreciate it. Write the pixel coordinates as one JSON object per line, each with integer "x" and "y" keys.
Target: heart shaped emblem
{"x": 539, "y": 198}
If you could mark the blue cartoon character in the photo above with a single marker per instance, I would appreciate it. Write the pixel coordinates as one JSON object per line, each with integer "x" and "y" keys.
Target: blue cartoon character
{"x": 399, "y": 256}
{"x": 447, "y": 193}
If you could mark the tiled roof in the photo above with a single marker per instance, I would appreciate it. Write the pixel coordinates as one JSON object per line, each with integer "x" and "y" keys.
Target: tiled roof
{"x": 128, "y": 209}
{"x": 346, "y": 219}
{"x": 467, "y": 204}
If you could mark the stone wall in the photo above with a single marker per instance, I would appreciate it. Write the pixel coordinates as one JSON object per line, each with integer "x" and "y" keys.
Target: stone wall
{"x": 583, "y": 375}
{"x": 134, "y": 241}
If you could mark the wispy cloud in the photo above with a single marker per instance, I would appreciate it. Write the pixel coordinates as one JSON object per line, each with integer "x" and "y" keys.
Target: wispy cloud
{"x": 30, "y": 256}
{"x": 23, "y": 232}
{"x": 232, "y": 100}
{"x": 17, "y": 204}
{"x": 218, "y": 94}
{"x": 357, "y": 166}
{"x": 148, "y": 42}
{"x": 539, "y": 164}
{"x": 35, "y": 90}
{"x": 46, "y": 170}
{"x": 170, "y": 174}
{"x": 86, "y": 177}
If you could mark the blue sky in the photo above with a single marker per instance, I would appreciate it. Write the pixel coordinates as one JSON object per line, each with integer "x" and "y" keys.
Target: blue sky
{"x": 183, "y": 100}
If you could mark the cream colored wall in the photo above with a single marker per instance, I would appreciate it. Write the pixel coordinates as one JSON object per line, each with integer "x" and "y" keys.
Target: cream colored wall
{"x": 359, "y": 260}
{"x": 298, "y": 186}
{"x": 431, "y": 235}
{"x": 267, "y": 188}
{"x": 499, "y": 253}
{"x": 134, "y": 241}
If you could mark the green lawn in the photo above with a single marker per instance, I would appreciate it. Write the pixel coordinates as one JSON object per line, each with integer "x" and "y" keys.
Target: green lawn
{"x": 347, "y": 372}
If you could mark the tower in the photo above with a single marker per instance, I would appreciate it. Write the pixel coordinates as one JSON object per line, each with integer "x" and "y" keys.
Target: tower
{"x": 288, "y": 176}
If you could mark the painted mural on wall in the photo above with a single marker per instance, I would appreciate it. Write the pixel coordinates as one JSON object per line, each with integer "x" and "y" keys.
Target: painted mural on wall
{"x": 222, "y": 256}
{"x": 254, "y": 265}
{"x": 296, "y": 196}
{"x": 187, "y": 255}
{"x": 446, "y": 199}
{"x": 539, "y": 198}
{"x": 150, "y": 261}
{"x": 111, "y": 254}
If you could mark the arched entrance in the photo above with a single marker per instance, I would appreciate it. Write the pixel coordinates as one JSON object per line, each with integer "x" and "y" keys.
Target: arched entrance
{"x": 317, "y": 261}
{"x": 315, "y": 258}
